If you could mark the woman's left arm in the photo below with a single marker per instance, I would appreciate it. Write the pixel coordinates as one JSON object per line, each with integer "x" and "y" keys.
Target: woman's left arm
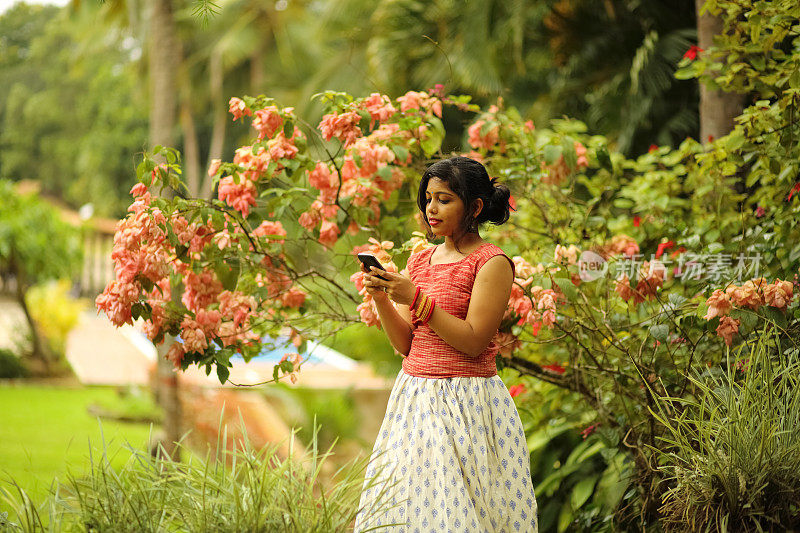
{"x": 487, "y": 305}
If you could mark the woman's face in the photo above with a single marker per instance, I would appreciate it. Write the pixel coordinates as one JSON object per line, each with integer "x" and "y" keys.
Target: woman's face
{"x": 444, "y": 209}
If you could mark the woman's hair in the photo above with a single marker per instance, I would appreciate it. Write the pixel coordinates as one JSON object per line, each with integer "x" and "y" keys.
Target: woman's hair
{"x": 469, "y": 180}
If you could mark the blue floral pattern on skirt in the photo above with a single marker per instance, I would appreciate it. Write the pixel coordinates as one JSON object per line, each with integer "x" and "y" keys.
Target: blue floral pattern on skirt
{"x": 451, "y": 456}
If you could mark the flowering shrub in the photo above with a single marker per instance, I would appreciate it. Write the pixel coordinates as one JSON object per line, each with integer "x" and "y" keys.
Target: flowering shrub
{"x": 218, "y": 273}
{"x": 631, "y": 274}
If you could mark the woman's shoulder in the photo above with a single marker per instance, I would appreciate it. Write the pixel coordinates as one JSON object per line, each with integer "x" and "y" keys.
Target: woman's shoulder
{"x": 487, "y": 251}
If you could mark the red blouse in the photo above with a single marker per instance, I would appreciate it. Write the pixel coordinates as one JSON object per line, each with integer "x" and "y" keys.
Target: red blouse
{"x": 450, "y": 284}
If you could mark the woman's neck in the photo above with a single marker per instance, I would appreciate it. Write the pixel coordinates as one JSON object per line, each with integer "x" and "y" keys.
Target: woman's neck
{"x": 466, "y": 242}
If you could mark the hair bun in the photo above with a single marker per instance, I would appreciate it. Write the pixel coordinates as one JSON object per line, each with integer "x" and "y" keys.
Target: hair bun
{"x": 498, "y": 207}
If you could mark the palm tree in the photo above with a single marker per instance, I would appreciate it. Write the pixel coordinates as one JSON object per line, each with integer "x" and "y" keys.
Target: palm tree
{"x": 718, "y": 109}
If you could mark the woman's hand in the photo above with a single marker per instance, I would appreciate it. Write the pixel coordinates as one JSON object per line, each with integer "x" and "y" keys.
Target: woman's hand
{"x": 396, "y": 286}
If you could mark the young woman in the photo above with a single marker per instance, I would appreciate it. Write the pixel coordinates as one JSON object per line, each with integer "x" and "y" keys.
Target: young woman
{"x": 451, "y": 453}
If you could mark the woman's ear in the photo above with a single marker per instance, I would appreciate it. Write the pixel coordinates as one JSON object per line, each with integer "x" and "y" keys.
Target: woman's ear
{"x": 477, "y": 207}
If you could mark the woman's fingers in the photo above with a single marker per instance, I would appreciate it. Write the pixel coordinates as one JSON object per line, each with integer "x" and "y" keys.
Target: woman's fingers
{"x": 373, "y": 281}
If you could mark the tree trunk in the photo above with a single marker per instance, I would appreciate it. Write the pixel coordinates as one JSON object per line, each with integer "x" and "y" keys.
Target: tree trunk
{"x": 40, "y": 349}
{"x": 718, "y": 109}
{"x": 215, "y": 75}
{"x": 191, "y": 149}
{"x": 257, "y": 67}
{"x": 164, "y": 59}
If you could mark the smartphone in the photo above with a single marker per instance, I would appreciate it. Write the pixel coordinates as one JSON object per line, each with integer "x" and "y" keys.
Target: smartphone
{"x": 370, "y": 260}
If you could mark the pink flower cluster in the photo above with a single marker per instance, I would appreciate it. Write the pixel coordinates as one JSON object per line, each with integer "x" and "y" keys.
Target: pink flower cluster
{"x": 532, "y": 304}
{"x": 142, "y": 254}
{"x": 359, "y": 181}
{"x": 272, "y": 230}
{"x": 238, "y": 108}
{"x": 241, "y": 193}
{"x": 486, "y": 141}
{"x": 201, "y": 289}
{"x": 379, "y": 107}
{"x": 556, "y": 173}
{"x": 651, "y": 278}
{"x": 226, "y": 317}
{"x": 240, "y": 196}
{"x": 417, "y": 102}
{"x": 619, "y": 244}
{"x": 267, "y": 121}
{"x": 566, "y": 255}
{"x": 343, "y": 126}
{"x": 752, "y": 294}
{"x": 195, "y": 236}
{"x": 139, "y": 252}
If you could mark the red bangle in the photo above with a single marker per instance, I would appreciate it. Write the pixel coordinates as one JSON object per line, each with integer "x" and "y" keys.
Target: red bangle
{"x": 414, "y": 301}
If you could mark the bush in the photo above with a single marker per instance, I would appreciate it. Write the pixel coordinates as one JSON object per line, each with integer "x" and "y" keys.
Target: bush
{"x": 237, "y": 490}
{"x": 55, "y": 313}
{"x": 11, "y": 366}
{"x": 735, "y": 454}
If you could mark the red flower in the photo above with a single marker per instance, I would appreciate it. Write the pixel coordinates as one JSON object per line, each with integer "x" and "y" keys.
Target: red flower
{"x": 653, "y": 148}
{"x": 588, "y": 431}
{"x": 711, "y": 138}
{"x": 663, "y": 246}
{"x": 558, "y": 369}
{"x": 677, "y": 252}
{"x": 760, "y": 212}
{"x": 795, "y": 189}
{"x": 516, "y": 390}
{"x": 637, "y": 220}
{"x": 692, "y": 52}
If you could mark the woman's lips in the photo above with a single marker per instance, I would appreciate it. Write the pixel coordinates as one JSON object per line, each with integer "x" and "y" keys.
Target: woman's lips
{"x": 434, "y": 221}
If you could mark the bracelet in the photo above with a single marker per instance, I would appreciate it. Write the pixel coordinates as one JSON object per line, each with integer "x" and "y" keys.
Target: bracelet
{"x": 423, "y": 306}
{"x": 431, "y": 307}
{"x": 422, "y": 303}
{"x": 416, "y": 295}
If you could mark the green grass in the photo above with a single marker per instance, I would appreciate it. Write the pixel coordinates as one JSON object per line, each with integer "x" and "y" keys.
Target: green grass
{"x": 45, "y": 432}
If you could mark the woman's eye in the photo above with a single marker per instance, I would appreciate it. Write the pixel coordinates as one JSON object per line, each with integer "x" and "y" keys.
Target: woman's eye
{"x": 444, "y": 201}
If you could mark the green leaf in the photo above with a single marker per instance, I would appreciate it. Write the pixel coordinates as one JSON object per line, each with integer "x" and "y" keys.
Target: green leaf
{"x": 565, "y": 517}
{"x": 228, "y": 275}
{"x": 401, "y": 152}
{"x": 223, "y": 372}
{"x": 567, "y": 287}
{"x": 582, "y": 491}
{"x": 676, "y": 299}
{"x": 659, "y": 332}
{"x": 288, "y": 129}
{"x": 385, "y": 172}
{"x": 551, "y": 153}
{"x": 431, "y": 143}
{"x": 735, "y": 140}
{"x": 748, "y": 320}
{"x": 774, "y": 315}
{"x": 604, "y": 159}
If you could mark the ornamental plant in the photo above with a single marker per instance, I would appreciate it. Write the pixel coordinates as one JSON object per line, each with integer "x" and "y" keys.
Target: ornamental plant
{"x": 631, "y": 274}
{"x": 275, "y": 250}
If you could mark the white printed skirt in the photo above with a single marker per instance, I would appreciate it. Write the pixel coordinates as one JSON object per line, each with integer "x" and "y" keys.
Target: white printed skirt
{"x": 451, "y": 456}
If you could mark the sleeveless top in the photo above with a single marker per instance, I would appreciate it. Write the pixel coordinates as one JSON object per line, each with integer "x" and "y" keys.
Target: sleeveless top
{"x": 450, "y": 284}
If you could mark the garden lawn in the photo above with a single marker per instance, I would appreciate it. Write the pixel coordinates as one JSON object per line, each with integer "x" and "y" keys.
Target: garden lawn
{"x": 45, "y": 432}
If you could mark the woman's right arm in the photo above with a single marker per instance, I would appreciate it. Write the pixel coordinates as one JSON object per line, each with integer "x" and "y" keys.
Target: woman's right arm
{"x": 397, "y": 326}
